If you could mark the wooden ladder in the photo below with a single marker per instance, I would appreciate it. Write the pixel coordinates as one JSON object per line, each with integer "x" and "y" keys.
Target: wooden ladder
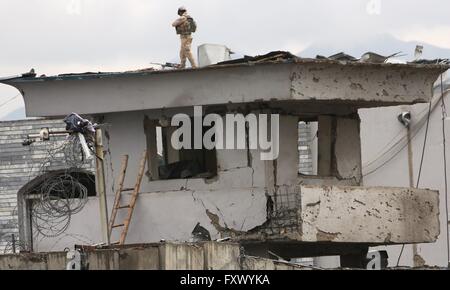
{"x": 120, "y": 189}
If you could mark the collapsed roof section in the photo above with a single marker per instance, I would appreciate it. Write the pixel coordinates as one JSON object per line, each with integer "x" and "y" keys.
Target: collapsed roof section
{"x": 277, "y": 76}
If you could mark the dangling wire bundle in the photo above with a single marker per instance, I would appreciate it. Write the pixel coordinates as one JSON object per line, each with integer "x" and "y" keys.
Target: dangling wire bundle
{"x": 61, "y": 195}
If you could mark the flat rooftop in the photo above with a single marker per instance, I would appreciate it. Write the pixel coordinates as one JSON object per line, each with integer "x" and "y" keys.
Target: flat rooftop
{"x": 275, "y": 77}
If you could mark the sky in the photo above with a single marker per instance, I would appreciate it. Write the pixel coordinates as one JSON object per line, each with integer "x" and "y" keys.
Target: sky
{"x": 61, "y": 36}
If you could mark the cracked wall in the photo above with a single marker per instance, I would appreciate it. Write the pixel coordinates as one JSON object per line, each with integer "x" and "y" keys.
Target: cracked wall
{"x": 249, "y": 199}
{"x": 171, "y": 209}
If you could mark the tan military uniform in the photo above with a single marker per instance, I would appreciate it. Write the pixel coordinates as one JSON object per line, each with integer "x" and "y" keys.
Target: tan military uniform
{"x": 186, "y": 41}
{"x": 185, "y": 52}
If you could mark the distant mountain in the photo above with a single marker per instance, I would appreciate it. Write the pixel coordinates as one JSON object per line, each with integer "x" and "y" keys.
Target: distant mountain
{"x": 383, "y": 44}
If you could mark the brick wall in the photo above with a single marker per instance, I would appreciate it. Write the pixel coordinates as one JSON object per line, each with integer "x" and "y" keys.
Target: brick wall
{"x": 18, "y": 165}
{"x": 304, "y": 147}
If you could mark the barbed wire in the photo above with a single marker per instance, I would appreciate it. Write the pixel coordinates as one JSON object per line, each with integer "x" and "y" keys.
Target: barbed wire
{"x": 61, "y": 195}
{"x": 10, "y": 241}
{"x": 57, "y": 190}
{"x": 78, "y": 237}
{"x": 14, "y": 245}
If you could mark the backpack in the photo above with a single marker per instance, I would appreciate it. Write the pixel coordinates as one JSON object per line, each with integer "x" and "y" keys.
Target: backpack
{"x": 192, "y": 24}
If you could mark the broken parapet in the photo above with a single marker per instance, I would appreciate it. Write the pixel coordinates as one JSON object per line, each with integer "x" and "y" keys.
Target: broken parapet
{"x": 162, "y": 256}
{"x": 345, "y": 214}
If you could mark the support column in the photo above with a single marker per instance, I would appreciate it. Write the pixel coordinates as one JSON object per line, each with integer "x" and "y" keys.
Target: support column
{"x": 100, "y": 183}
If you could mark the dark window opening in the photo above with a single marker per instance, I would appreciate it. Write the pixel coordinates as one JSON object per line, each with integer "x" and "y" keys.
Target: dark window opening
{"x": 169, "y": 163}
{"x": 64, "y": 185}
{"x": 185, "y": 163}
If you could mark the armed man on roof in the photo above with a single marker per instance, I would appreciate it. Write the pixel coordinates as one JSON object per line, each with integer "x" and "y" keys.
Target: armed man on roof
{"x": 185, "y": 26}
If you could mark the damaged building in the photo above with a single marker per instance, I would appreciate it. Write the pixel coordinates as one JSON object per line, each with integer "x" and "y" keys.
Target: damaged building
{"x": 308, "y": 202}
{"x": 28, "y": 167}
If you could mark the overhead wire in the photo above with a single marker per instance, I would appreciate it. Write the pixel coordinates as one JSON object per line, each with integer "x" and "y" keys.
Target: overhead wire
{"x": 444, "y": 141}
{"x": 383, "y": 151}
{"x": 441, "y": 98}
{"x": 420, "y": 168}
{"x": 419, "y": 124}
{"x": 9, "y": 100}
{"x": 398, "y": 146}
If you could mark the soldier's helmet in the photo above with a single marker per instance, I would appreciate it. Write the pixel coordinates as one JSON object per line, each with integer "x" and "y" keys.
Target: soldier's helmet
{"x": 181, "y": 10}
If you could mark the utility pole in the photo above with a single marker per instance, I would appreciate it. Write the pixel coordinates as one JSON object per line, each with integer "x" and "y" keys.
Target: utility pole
{"x": 101, "y": 186}
{"x": 411, "y": 185}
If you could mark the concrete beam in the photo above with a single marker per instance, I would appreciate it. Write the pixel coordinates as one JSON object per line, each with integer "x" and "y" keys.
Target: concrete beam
{"x": 378, "y": 215}
{"x": 339, "y": 215}
{"x": 366, "y": 85}
{"x": 364, "y": 82}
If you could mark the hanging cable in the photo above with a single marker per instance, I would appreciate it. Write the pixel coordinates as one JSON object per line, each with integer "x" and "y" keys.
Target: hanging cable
{"x": 9, "y": 100}
{"x": 404, "y": 139}
{"x": 403, "y": 142}
{"x": 399, "y": 142}
{"x": 421, "y": 165}
{"x": 444, "y": 113}
{"x": 444, "y": 117}
{"x": 424, "y": 147}
{"x": 388, "y": 145}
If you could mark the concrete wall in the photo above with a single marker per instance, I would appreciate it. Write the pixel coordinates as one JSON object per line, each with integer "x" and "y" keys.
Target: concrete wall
{"x": 170, "y": 209}
{"x": 43, "y": 261}
{"x": 380, "y": 130}
{"x": 238, "y": 200}
{"x": 233, "y": 201}
{"x": 163, "y": 256}
{"x": 261, "y": 264}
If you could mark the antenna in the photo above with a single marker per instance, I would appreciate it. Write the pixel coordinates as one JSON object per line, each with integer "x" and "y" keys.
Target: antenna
{"x": 418, "y": 52}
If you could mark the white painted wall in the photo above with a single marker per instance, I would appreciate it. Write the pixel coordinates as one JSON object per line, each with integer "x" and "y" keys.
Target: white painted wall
{"x": 170, "y": 209}
{"x": 378, "y": 128}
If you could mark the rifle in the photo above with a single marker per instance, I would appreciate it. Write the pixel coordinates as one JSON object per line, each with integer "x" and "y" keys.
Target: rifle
{"x": 167, "y": 64}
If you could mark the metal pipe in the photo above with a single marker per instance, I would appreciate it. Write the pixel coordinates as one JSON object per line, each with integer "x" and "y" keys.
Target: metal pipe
{"x": 100, "y": 182}
{"x": 13, "y": 237}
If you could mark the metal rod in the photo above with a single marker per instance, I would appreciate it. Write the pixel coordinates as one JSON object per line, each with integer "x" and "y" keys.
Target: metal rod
{"x": 444, "y": 143}
{"x": 13, "y": 237}
{"x": 411, "y": 185}
{"x": 54, "y": 133}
